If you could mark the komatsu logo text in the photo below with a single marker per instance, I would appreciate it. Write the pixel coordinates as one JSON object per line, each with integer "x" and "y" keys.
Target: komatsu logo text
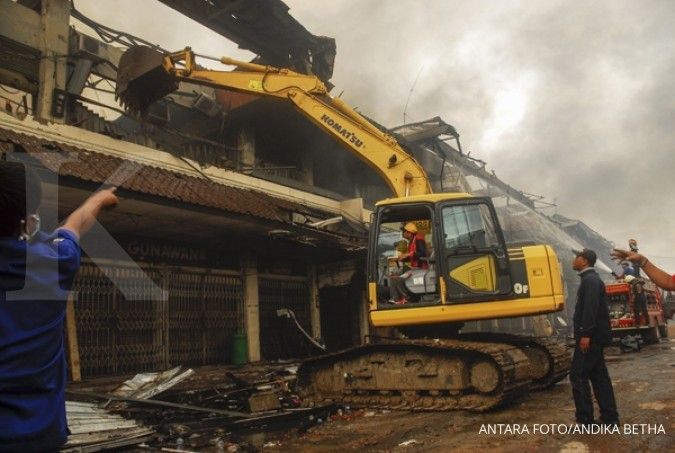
{"x": 345, "y": 133}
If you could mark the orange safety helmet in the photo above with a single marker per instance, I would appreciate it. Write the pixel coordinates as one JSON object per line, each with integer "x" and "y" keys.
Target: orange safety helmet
{"x": 410, "y": 228}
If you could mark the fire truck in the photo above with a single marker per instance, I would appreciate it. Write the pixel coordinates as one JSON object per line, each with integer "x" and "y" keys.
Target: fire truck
{"x": 620, "y": 297}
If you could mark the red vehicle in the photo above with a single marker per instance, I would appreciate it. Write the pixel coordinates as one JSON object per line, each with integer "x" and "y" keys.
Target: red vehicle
{"x": 622, "y": 314}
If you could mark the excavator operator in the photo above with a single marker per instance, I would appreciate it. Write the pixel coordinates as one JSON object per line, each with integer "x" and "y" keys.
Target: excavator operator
{"x": 417, "y": 249}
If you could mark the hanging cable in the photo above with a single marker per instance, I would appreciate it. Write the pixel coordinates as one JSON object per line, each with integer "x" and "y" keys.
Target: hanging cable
{"x": 405, "y": 108}
{"x": 108, "y": 34}
{"x": 288, "y": 313}
{"x": 9, "y": 91}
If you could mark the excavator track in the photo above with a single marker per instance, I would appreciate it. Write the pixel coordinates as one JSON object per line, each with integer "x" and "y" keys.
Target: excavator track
{"x": 417, "y": 375}
{"x": 549, "y": 360}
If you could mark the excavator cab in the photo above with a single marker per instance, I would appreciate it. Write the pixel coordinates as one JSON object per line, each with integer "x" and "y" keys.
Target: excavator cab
{"x": 469, "y": 273}
{"x": 462, "y": 242}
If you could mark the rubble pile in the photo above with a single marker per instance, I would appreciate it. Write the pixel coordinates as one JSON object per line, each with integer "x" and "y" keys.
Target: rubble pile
{"x": 216, "y": 408}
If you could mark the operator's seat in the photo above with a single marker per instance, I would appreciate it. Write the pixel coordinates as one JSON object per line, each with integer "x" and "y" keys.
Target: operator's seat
{"x": 422, "y": 281}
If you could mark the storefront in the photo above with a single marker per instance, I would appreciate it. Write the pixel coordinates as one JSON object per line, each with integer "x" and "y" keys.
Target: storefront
{"x": 185, "y": 265}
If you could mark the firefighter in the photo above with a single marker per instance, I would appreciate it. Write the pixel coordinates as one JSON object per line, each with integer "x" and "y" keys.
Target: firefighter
{"x": 640, "y": 302}
{"x": 627, "y": 269}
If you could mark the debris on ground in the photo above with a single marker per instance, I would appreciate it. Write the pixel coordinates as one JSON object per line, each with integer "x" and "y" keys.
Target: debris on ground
{"x": 211, "y": 411}
{"x": 215, "y": 408}
{"x": 631, "y": 343}
{"x": 574, "y": 447}
{"x": 263, "y": 401}
{"x": 146, "y": 385}
{"x": 408, "y": 443}
{"x": 95, "y": 429}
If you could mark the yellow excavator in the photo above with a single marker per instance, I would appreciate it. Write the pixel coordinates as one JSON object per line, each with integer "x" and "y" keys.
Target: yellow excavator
{"x": 467, "y": 273}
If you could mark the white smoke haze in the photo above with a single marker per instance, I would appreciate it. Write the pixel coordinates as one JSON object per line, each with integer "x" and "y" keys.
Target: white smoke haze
{"x": 572, "y": 100}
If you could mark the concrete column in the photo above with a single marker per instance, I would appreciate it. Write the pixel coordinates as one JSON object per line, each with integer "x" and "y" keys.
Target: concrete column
{"x": 55, "y": 16}
{"x": 249, "y": 266}
{"x": 246, "y": 150}
{"x": 314, "y": 307}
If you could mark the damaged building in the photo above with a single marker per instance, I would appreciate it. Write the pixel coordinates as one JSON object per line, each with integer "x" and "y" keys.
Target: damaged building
{"x": 241, "y": 223}
{"x": 230, "y": 210}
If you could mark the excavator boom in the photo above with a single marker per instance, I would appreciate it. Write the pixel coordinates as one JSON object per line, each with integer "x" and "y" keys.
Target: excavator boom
{"x": 146, "y": 75}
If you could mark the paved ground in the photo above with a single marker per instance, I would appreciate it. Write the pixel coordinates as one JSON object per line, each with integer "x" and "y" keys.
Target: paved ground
{"x": 643, "y": 384}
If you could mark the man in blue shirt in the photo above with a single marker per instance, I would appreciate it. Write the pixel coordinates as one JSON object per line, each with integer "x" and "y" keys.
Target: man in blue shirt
{"x": 627, "y": 269}
{"x": 36, "y": 272}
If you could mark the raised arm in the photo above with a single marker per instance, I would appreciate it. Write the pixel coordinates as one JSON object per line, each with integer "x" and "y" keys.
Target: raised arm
{"x": 661, "y": 278}
{"x": 82, "y": 219}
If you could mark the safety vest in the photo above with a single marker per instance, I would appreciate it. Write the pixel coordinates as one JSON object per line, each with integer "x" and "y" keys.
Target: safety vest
{"x": 412, "y": 250}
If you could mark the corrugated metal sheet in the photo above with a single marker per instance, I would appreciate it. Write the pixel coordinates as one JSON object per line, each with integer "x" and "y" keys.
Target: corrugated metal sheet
{"x": 95, "y": 429}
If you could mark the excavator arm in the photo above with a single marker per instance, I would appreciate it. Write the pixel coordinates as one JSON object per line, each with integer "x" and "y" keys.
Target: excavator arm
{"x": 146, "y": 75}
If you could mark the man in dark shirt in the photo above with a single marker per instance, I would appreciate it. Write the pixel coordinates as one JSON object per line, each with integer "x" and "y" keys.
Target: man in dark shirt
{"x": 592, "y": 332}
{"x": 36, "y": 272}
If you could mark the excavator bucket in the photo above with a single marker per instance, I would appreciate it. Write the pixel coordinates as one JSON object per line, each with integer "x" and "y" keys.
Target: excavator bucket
{"x": 142, "y": 79}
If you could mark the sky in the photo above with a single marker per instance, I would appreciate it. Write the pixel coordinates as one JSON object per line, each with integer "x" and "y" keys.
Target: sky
{"x": 568, "y": 99}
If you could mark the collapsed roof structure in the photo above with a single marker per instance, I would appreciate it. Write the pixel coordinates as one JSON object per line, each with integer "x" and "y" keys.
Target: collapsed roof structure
{"x": 267, "y": 29}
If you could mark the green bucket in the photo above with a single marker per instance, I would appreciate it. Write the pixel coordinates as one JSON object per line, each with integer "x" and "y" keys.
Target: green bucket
{"x": 239, "y": 349}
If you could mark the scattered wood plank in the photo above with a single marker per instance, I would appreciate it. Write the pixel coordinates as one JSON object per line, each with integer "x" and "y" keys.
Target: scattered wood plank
{"x": 187, "y": 407}
{"x": 71, "y": 335}
{"x": 100, "y": 443}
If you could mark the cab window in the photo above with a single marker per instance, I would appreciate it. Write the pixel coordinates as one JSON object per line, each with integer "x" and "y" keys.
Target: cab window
{"x": 468, "y": 226}
{"x": 475, "y": 259}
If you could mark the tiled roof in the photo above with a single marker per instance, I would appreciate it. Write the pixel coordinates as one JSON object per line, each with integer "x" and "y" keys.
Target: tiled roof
{"x": 91, "y": 166}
